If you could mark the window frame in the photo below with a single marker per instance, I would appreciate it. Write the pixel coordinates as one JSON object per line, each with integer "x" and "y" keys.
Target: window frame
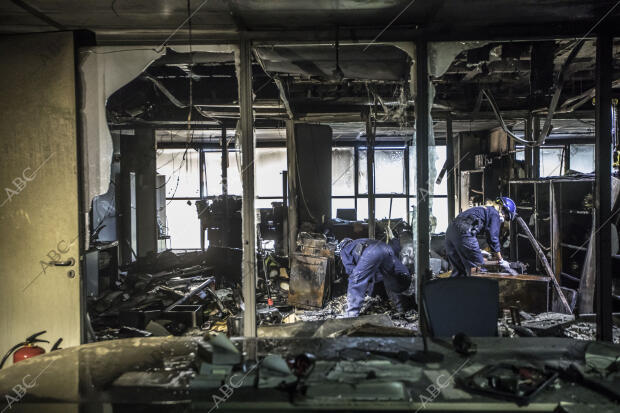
{"x": 384, "y": 145}
{"x": 410, "y": 198}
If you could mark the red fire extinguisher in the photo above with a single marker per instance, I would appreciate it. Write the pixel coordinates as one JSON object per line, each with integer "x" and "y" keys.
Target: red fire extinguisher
{"x": 28, "y": 349}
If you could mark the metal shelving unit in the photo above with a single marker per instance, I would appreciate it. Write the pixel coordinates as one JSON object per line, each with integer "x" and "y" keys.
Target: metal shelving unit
{"x": 574, "y": 222}
{"x": 534, "y": 205}
{"x": 557, "y": 215}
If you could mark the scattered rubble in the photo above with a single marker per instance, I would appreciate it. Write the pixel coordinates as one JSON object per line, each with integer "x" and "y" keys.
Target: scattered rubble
{"x": 168, "y": 294}
{"x": 584, "y": 330}
{"x": 336, "y": 308}
{"x": 190, "y": 294}
{"x": 551, "y": 325}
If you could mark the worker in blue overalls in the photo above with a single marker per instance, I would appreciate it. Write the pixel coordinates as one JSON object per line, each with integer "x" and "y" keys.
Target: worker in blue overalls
{"x": 462, "y": 248}
{"x": 369, "y": 263}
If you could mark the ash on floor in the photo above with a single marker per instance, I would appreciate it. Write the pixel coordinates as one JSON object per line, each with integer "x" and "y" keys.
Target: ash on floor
{"x": 336, "y": 308}
{"x": 582, "y": 330}
{"x": 552, "y": 325}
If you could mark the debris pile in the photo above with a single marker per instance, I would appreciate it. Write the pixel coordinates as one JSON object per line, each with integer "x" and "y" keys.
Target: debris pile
{"x": 550, "y": 325}
{"x": 584, "y": 330}
{"x": 168, "y": 294}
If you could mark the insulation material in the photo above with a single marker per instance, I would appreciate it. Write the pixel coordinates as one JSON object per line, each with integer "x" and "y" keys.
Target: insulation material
{"x": 378, "y": 63}
{"x": 103, "y": 71}
{"x": 442, "y": 54}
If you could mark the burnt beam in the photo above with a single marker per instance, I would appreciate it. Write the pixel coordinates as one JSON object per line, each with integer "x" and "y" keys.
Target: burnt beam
{"x": 422, "y": 112}
{"x": 602, "y": 238}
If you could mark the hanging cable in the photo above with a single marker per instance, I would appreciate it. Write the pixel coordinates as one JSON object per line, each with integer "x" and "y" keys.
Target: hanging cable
{"x": 190, "y": 131}
{"x": 499, "y": 117}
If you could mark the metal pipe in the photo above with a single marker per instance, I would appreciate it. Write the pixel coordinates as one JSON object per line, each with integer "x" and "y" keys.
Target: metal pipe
{"x": 248, "y": 144}
{"x": 559, "y": 84}
{"x": 543, "y": 259}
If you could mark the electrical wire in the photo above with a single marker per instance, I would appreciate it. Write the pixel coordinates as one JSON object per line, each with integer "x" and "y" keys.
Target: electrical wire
{"x": 190, "y": 131}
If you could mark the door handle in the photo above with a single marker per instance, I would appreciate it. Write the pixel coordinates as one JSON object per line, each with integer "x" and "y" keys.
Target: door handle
{"x": 68, "y": 263}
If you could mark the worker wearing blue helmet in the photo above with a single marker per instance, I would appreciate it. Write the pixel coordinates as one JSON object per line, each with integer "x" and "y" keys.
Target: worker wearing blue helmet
{"x": 462, "y": 246}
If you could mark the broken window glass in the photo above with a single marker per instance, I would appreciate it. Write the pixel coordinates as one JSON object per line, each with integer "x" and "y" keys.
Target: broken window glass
{"x": 582, "y": 158}
{"x": 182, "y": 224}
{"x": 551, "y": 162}
{"x": 181, "y": 169}
{"x": 362, "y": 180}
{"x": 234, "y": 173}
{"x": 343, "y": 170}
{"x": 213, "y": 166}
{"x": 389, "y": 171}
{"x": 270, "y": 162}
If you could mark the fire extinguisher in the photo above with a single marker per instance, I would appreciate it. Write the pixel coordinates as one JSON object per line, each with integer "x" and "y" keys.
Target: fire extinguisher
{"x": 28, "y": 349}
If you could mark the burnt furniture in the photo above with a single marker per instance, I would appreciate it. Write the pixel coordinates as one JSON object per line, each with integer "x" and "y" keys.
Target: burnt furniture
{"x": 221, "y": 218}
{"x": 101, "y": 268}
{"x": 312, "y": 271}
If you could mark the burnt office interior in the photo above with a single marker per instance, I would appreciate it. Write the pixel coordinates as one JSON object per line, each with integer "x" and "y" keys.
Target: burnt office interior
{"x": 209, "y": 205}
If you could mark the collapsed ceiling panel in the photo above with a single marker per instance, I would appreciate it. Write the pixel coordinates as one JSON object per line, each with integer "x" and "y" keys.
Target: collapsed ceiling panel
{"x": 356, "y": 62}
{"x": 339, "y": 83}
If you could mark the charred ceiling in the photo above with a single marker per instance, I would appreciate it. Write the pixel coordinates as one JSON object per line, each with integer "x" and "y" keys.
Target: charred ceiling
{"x": 518, "y": 64}
{"x": 342, "y": 82}
{"x": 151, "y": 21}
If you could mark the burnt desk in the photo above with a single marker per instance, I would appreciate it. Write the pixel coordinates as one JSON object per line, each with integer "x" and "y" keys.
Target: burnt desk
{"x": 527, "y": 292}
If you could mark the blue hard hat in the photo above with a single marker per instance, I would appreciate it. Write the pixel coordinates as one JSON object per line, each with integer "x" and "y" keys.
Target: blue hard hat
{"x": 509, "y": 206}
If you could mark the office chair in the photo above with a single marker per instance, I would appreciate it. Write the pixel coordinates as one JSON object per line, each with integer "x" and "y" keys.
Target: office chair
{"x": 467, "y": 305}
